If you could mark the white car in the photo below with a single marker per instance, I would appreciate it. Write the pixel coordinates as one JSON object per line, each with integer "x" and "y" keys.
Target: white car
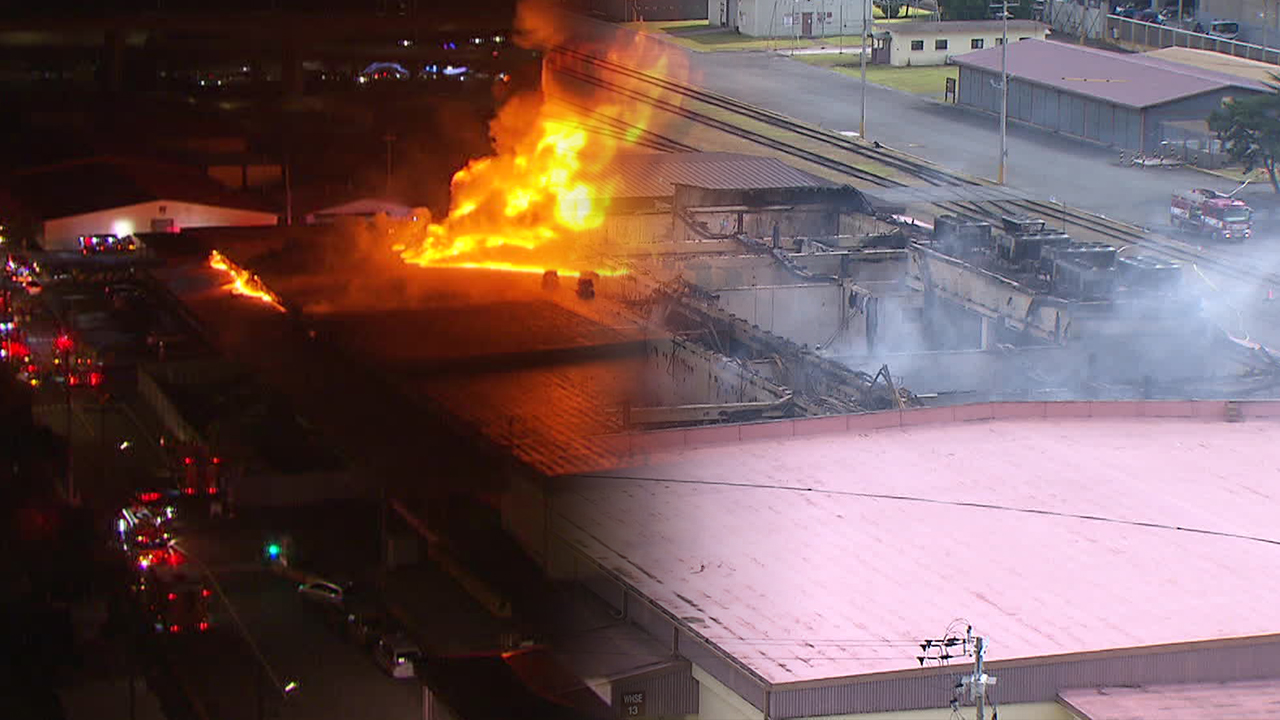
{"x": 396, "y": 655}
{"x": 322, "y": 591}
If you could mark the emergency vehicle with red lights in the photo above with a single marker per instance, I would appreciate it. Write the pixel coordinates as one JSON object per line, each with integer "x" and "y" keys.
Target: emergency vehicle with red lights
{"x": 1207, "y": 212}
{"x": 198, "y": 471}
{"x": 174, "y": 595}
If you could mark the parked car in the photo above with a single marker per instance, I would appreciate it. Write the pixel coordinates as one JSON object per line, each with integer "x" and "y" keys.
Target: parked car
{"x": 1225, "y": 29}
{"x": 1150, "y": 16}
{"x": 396, "y": 655}
{"x": 323, "y": 592}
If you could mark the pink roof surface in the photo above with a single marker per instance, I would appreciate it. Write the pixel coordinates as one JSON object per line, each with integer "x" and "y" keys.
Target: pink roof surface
{"x": 1253, "y": 699}
{"x": 808, "y": 585}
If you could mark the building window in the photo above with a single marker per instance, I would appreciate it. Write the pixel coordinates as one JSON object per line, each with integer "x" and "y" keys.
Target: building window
{"x": 939, "y": 44}
{"x": 975, "y": 44}
{"x": 999, "y": 41}
{"x": 917, "y": 45}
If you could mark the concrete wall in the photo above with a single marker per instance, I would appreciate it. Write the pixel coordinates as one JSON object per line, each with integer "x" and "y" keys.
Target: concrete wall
{"x": 793, "y": 221}
{"x": 631, "y": 229}
{"x": 678, "y": 373}
{"x": 735, "y": 272}
{"x": 805, "y": 314}
{"x": 958, "y": 42}
{"x": 64, "y": 233}
{"x": 770, "y": 18}
{"x": 717, "y": 702}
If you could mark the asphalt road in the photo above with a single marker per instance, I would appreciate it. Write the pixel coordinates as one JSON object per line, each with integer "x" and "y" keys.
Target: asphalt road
{"x": 222, "y": 672}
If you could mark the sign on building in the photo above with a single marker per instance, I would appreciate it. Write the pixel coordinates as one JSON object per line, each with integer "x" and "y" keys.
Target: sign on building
{"x": 633, "y": 704}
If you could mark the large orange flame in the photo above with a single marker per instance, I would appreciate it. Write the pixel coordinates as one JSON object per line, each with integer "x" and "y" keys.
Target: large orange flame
{"x": 242, "y": 282}
{"x": 529, "y": 207}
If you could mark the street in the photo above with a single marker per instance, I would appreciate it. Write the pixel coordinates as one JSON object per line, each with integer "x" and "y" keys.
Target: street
{"x": 223, "y": 671}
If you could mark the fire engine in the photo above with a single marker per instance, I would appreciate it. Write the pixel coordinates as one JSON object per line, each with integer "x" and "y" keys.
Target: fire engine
{"x": 174, "y": 596}
{"x": 1212, "y": 213}
{"x": 197, "y": 471}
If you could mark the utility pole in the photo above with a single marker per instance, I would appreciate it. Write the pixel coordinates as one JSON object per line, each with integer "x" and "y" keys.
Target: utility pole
{"x": 1004, "y": 90}
{"x": 840, "y": 35}
{"x": 389, "y": 138}
{"x": 862, "y": 121}
{"x": 979, "y": 681}
{"x": 288, "y": 194}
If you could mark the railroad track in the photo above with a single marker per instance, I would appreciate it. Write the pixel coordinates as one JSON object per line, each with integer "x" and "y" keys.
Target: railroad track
{"x": 1115, "y": 231}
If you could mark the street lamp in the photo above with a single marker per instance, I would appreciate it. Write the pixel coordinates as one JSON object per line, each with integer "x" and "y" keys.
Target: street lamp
{"x": 64, "y": 345}
{"x": 388, "y": 139}
{"x": 862, "y": 121}
{"x": 1004, "y": 90}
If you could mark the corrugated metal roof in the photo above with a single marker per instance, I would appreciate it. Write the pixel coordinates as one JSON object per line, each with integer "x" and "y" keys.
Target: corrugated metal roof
{"x": 847, "y": 578}
{"x": 931, "y": 27}
{"x": 656, "y": 174}
{"x": 1254, "y": 70}
{"x": 1136, "y": 81}
{"x": 550, "y": 414}
{"x": 551, "y": 418}
{"x": 1255, "y": 700}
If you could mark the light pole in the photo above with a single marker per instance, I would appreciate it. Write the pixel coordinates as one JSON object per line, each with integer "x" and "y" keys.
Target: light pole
{"x": 288, "y": 193}
{"x": 1004, "y": 90}
{"x": 862, "y": 121}
{"x": 389, "y": 138}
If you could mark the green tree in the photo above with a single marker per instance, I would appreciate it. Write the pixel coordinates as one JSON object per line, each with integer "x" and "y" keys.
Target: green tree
{"x": 1249, "y": 129}
{"x": 982, "y": 9}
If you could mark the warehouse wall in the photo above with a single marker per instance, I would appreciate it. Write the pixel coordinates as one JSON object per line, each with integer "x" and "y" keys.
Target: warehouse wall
{"x": 769, "y": 18}
{"x": 1056, "y": 110}
{"x": 1197, "y": 107}
{"x": 958, "y": 42}
{"x": 64, "y": 233}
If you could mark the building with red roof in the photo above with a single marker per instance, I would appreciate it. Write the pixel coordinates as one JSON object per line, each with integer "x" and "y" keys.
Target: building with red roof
{"x": 816, "y": 567}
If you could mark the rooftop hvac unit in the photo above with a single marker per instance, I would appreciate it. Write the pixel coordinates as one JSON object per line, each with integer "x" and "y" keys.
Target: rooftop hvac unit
{"x": 1075, "y": 278}
{"x": 1022, "y": 224}
{"x": 1019, "y": 249}
{"x": 958, "y": 236}
{"x": 1148, "y": 273}
{"x": 1094, "y": 254}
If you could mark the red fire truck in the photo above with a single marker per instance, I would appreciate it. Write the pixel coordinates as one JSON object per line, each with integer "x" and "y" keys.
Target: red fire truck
{"x": 198, "y": 471}
{"x": 1207, "y": 212}
{"x": 175, "y": 598}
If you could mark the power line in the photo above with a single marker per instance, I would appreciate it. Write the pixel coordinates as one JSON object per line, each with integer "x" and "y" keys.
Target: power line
{"x": 948, "y": 503}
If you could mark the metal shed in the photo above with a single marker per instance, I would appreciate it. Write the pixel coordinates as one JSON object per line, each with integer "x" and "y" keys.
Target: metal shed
{"x": 1119, "y": 100}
